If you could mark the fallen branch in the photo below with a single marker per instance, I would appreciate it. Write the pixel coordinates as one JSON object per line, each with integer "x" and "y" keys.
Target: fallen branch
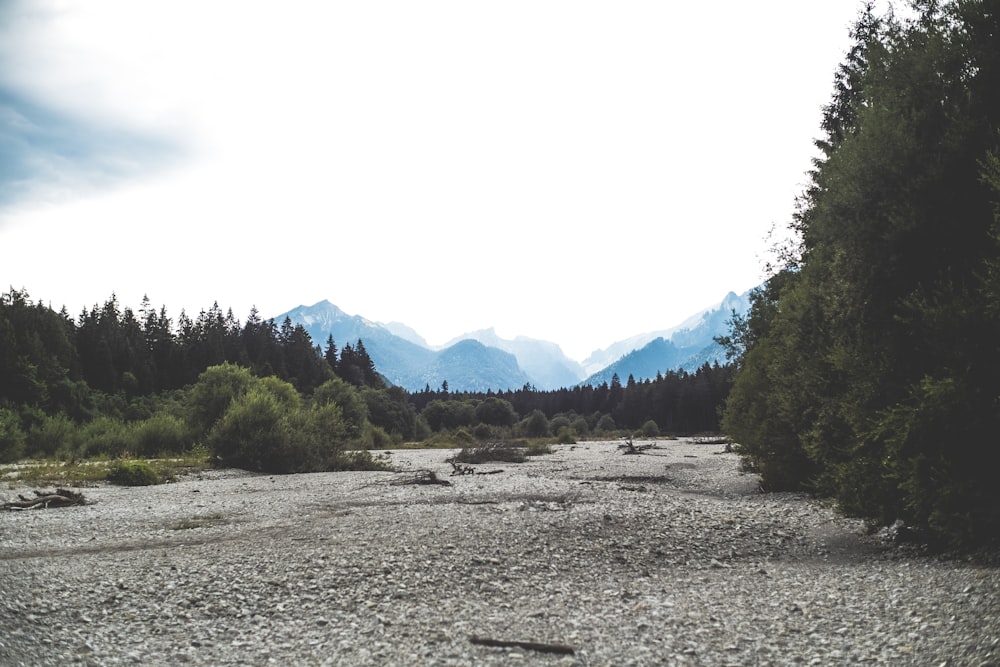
{"x": 421, "y": 477}
{"x": 46, "y": 499}
{"x": 631, "y": 448}
{"x": 531, "y": 646}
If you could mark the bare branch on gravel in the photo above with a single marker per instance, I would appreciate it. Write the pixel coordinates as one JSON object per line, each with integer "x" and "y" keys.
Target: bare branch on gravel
{"x": 45, "y": 500}
{"x": 531, "y": 646}
{"x": 420, "y": 477}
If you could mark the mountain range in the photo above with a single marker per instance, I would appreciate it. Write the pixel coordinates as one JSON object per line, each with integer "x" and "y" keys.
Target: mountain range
{"x": 481, "y": 360}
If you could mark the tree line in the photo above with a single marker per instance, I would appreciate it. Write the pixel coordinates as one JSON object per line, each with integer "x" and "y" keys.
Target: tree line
{"x": 868, "y": 363}
{"x": 115, "y": 381}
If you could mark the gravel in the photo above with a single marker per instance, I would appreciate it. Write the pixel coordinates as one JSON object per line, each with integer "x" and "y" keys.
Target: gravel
{"x": 670, "y": 557}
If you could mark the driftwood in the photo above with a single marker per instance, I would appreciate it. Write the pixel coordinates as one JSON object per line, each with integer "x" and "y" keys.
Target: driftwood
{"x": 531, "y": 646}
{"x": 420, "y": 477}
{"x": 631, "y": 448}
{"x": 462, "y": 469}
{"x": 46, "y": 499}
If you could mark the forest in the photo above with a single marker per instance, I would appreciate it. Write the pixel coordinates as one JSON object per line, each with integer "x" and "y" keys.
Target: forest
{"x": 114, "y": 382}
{"x": 869, "y": 363}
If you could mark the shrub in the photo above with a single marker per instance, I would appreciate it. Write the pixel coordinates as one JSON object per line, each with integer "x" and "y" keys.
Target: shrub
{"x": 536, "y": 425}
{"x": 52, "y": 435}
{"x": 160, "y": 434}
{"x": 212, "y": 394}
{"x": 490, "y": 451}
{"x": 11, "y": 437}
{"x": 650, "y": 429}
{"x": 104, "y": 436}
{"x": 132, "y": 473}
{"x": 566, "y": 436}
{"x": 538, "y": 448}
{"x": 606, "y": 425}
{"x": 250, "y": 433}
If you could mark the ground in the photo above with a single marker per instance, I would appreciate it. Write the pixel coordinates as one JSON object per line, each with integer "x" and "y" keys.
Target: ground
{"x": 669, "y": 557}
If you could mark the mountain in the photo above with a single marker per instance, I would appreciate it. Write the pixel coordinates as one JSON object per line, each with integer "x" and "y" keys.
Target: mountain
{"x": 684, "y": 347}
{"x": 543, "y": 362}
{"x": 468, "y": 365}
{"x": 601, "y": 359}
{"x": 483, "y": 360}
{"x": 403, "y": 357}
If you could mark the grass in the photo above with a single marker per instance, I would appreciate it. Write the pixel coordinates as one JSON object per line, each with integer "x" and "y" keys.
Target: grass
{"x": 91, "y": 471}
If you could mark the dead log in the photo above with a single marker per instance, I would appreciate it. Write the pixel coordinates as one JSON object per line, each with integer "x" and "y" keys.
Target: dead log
{"x": 531, "y": 646}
{"x": 420, "y": 477}
{"x": 46, "y": 499}
{"x": 631, "y": 448}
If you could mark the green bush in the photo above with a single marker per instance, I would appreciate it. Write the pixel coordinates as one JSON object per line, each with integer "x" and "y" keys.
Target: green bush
{"x": 160, "y": 434}
{"x": 212, "y": 394}
{"x": 490, "y": 451}
{"x": 250, "y": 434}
{"x": 51, "y": 436}
{"x": 565, "y": 436}
{"x": 132, "y": 473}
{"x": 104, "y": 436}
{"x": 606, "y": 425}
{"x": 650, "y": 429}
{"x": 12, "y": 438}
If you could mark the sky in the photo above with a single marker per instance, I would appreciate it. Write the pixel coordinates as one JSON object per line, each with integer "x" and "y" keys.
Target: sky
{"x": 574, "y": 171}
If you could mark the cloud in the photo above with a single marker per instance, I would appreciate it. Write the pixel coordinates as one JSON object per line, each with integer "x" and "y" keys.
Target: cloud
{"x": 50, "y": 154}
{"x": 54, "y": 146}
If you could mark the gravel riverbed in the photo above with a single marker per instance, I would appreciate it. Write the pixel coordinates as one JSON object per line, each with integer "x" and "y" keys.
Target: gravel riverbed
{"x": 670, "y": 557}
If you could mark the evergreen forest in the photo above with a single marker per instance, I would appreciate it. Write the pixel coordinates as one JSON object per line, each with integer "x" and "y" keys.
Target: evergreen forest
{"x": 869, "y": 363}
{"x": 113, "y": 382}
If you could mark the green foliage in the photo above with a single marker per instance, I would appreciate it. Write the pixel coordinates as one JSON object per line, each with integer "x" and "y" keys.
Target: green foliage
{"x": 353, "y": 407}
{"x": 132, "y": 473}
{"x": 650, "y": 429}
{"x": 606, "y": 425}
{"x": 496, "y": 412}
{"x": 12, "y": 438}
{"x": 211, "y": 395}
{"x": 565, "y": 435}
{"x": 160, "y": 435}
{"x": 51, "y": 436}
{"x": 536, "y": 425}
{"x": 867, "y": 366}
{"x": 105, "y": 436}
{"x": 489, "y": 451}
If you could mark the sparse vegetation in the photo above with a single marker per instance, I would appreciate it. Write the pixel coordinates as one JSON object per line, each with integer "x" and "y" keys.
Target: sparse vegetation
{"x": 132, "y": 473}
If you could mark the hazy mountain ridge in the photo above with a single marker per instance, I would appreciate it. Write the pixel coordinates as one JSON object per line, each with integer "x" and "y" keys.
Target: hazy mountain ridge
{"x": 482, "y": 360}
{"x": 689, "y": 345}
{"x": 544, "y": 362}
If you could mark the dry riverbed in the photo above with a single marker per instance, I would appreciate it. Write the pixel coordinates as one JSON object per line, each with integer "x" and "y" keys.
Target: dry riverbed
{"x": 670, "y": 557}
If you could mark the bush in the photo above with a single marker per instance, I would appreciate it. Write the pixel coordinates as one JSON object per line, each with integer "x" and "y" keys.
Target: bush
{"x": 490, "y": 451}
{"x": 606, "y": 425}
{"x": 105, "y": 436}
{"x": 51, "y": 436}
{"x": 212, "y": 394}
{"x": 160, "y": 434}
{"x": 566, "y": 436}
{"x": 650, "y": 429}
{"x": 11, "y": 437}
{"x": 250, "y": 434}
{"x": 132, "y": 473}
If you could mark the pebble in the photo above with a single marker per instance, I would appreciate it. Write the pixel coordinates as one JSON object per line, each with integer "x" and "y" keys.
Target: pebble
{"x": 348, "y": 568}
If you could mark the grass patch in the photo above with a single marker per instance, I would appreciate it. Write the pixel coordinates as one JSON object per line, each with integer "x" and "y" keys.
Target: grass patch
{"x": 89, "y": 472}
{"x": 363, "y": 459}
{"x": 133, "y": 473}
{"x": 490, "y": 451}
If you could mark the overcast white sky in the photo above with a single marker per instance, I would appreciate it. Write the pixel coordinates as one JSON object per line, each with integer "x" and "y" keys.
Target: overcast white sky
{"x": 574, "y": 171}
